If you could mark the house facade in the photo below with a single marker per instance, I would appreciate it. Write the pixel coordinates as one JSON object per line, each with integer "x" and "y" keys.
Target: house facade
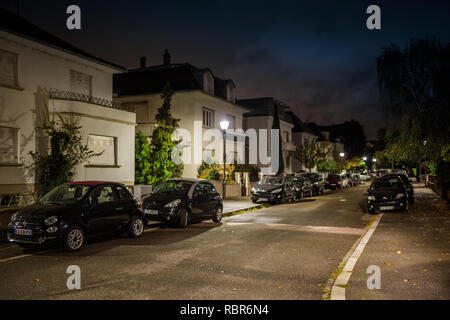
{"x": 261, "y": 116}
{"x": 42, "y": 77}
{"x": 201, "y": 101}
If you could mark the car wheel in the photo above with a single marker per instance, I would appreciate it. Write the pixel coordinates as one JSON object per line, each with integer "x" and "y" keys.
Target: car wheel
{"x": 254, "y": 201}
{"x": 301, "y": 195}
{"x": 217, "y": 217}
{"x": 136, "y": 227}
{"x": 183, "y": 219}
{"x": 74, "y": 238}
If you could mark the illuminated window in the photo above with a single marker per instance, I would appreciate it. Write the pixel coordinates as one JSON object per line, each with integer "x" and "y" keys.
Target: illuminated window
{"x": 106, "y": 146}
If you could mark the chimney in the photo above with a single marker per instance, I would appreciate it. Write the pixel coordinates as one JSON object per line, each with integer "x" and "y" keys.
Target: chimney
{"x": 143, "y": 62}
{"x": 166, "y": 58}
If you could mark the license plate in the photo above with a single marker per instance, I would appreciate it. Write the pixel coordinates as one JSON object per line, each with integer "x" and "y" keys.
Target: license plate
{"x": 151, "y": 212}
{"x": 387, "y": 208}
{"x": 263, "y": 199}
{"x": 23, "y": 232}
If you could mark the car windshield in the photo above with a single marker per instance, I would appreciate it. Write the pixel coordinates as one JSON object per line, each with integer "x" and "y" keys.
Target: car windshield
{"x": 65, "y": 194}
{"x": 272, "y": 180}
{"x": 381, "y": 184}
{"x": 174, "y": 187}
{"x": 334, "y": 177}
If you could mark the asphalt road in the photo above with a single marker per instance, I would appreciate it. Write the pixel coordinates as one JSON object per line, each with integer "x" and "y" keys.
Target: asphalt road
{"x": 281, "y": 252}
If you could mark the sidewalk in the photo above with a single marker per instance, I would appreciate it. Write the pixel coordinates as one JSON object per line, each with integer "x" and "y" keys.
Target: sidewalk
{"x": 238, "y": 204}
{"x": 412, "y": 250}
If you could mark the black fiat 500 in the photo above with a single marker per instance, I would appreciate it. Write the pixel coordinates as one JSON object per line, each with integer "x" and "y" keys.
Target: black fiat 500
{"x": 181, "y": 201}
{"x": 387, "y": 194}
{"x": 274, "y": 189}
{"x": 74, "y": 211}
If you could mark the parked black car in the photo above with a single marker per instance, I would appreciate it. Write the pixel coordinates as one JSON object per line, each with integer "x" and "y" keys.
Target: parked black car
{"x": 387, "y": 194}
{"x": 303, "y": 187}
{"x": 274, "y": 189}
{"x": 318, "y": 182}
{"x": 73, "y": 212}
{"x": 408, "y": 185}
{"x": 182, "y": 201}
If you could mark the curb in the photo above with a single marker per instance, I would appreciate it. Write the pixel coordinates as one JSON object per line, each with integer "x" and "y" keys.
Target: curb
{"x": 245, "y": 210}
{"x": 338, "y": 271}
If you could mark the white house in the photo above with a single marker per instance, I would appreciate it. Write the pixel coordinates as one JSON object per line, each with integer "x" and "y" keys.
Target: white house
{"x": 261, "y": 116}
{"x": 201, "y": 101}
{"x": 42, "y": 76}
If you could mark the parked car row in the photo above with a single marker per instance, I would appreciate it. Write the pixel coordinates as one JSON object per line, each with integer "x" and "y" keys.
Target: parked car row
{"x": 279, "y": 189}
{"x": 390, "y": 192}
{"x": 71, "y": 213}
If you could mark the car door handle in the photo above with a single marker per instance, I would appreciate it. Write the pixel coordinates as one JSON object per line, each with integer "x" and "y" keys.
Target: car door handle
{"x": 118, "y": 209}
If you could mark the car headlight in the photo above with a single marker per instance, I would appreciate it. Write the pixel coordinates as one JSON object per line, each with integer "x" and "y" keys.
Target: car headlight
{"x": 370, "y": 198}
{"x": 173, "y": 203}
{"x": 399, "y": 196}
{"x": 297, "y": 189}
{"x": 253, "y": 189}
{"x": 51, "y": 220}
{"x": 14, "y": 216}
{"x": 276, "y": 191}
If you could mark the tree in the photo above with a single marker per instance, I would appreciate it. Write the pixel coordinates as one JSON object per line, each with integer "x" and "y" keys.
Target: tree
{"x": 57, "y": 165}
{"x": 311, "y": 152}
{"x": 413, "y": 86}
{"x": 329, "y": 166}
{"x": 161, "y": 144}
{"x": 276, "y": 126}
{"x": 142, "y": 162}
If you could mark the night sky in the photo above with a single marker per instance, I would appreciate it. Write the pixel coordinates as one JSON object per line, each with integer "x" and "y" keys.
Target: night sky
{"x": 317, "y": 56}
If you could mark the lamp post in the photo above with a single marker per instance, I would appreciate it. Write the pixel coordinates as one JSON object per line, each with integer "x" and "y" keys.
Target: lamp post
{"x": 374, "y": 163}
{"x": 224, "y": 126}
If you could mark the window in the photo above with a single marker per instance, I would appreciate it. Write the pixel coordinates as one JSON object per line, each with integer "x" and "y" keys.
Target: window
{"x": 102, "y": 195}
{"x": 208, "y": 118}
{"x": 80, "y": 83}
{"x": 230, "y": 92}
{"x": 9, "y": 69}
{"x": 208, "y": 83}
{"x": 287, "y": 137}
{"x": 231, "y": 121}
{"x": 9, "y": 145}
{"x": 123, "y": 193}
{"x": 106, "y": 146}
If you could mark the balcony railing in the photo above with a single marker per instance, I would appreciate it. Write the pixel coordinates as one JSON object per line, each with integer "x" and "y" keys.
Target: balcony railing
{"x": 73, "y": 96}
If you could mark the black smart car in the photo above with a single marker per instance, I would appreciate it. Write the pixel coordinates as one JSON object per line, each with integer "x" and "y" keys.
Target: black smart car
{"x": 408, "y": 185}
{"x": 181, "y": 201}
{"x": 387, "y": 194}
{"x": 274, "y": 189}
{"x": 74, "y": 211}
{"x": 303, "y": 187}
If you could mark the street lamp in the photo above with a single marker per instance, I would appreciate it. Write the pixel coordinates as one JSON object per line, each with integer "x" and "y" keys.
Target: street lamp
{"x": 224, "y": 126}
{"x": 341, "y": 154}
{"x": 374, "y": 163}
{"x": 365, "y": 158}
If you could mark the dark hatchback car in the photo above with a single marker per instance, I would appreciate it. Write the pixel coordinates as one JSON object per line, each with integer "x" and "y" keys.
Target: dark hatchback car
{"x": 408, "y": 185}
{"x": 303, "y": 187}
{"x": 274, "y": 189}
{"x": 75, "y": 211}
{"x": 181, "y": 201}
{"x": 387, "y": 194}
{"x": 318, "y": 182}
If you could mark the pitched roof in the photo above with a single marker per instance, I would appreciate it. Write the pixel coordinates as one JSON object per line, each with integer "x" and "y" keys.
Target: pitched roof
{"x": 264, "y": 106}
{"x": 16, "y": 25}
{"x": 299, "y": 125}
{"x": 182, "y": 76}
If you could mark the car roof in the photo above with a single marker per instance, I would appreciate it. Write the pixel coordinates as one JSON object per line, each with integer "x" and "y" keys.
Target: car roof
{"x": 92, "y": 183}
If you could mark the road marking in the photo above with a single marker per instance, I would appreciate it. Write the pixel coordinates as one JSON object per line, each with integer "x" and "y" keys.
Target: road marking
{"x": 324, "y": 229}
{"x": 338, "y": 289}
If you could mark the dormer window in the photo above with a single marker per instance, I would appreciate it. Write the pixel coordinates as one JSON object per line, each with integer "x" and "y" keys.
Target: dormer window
{"x": 230, "y": 92}
{"x": 208, "y": 83}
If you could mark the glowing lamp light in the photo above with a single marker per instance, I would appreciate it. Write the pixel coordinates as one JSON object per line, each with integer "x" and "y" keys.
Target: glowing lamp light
{"x": 224, "y": 125}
